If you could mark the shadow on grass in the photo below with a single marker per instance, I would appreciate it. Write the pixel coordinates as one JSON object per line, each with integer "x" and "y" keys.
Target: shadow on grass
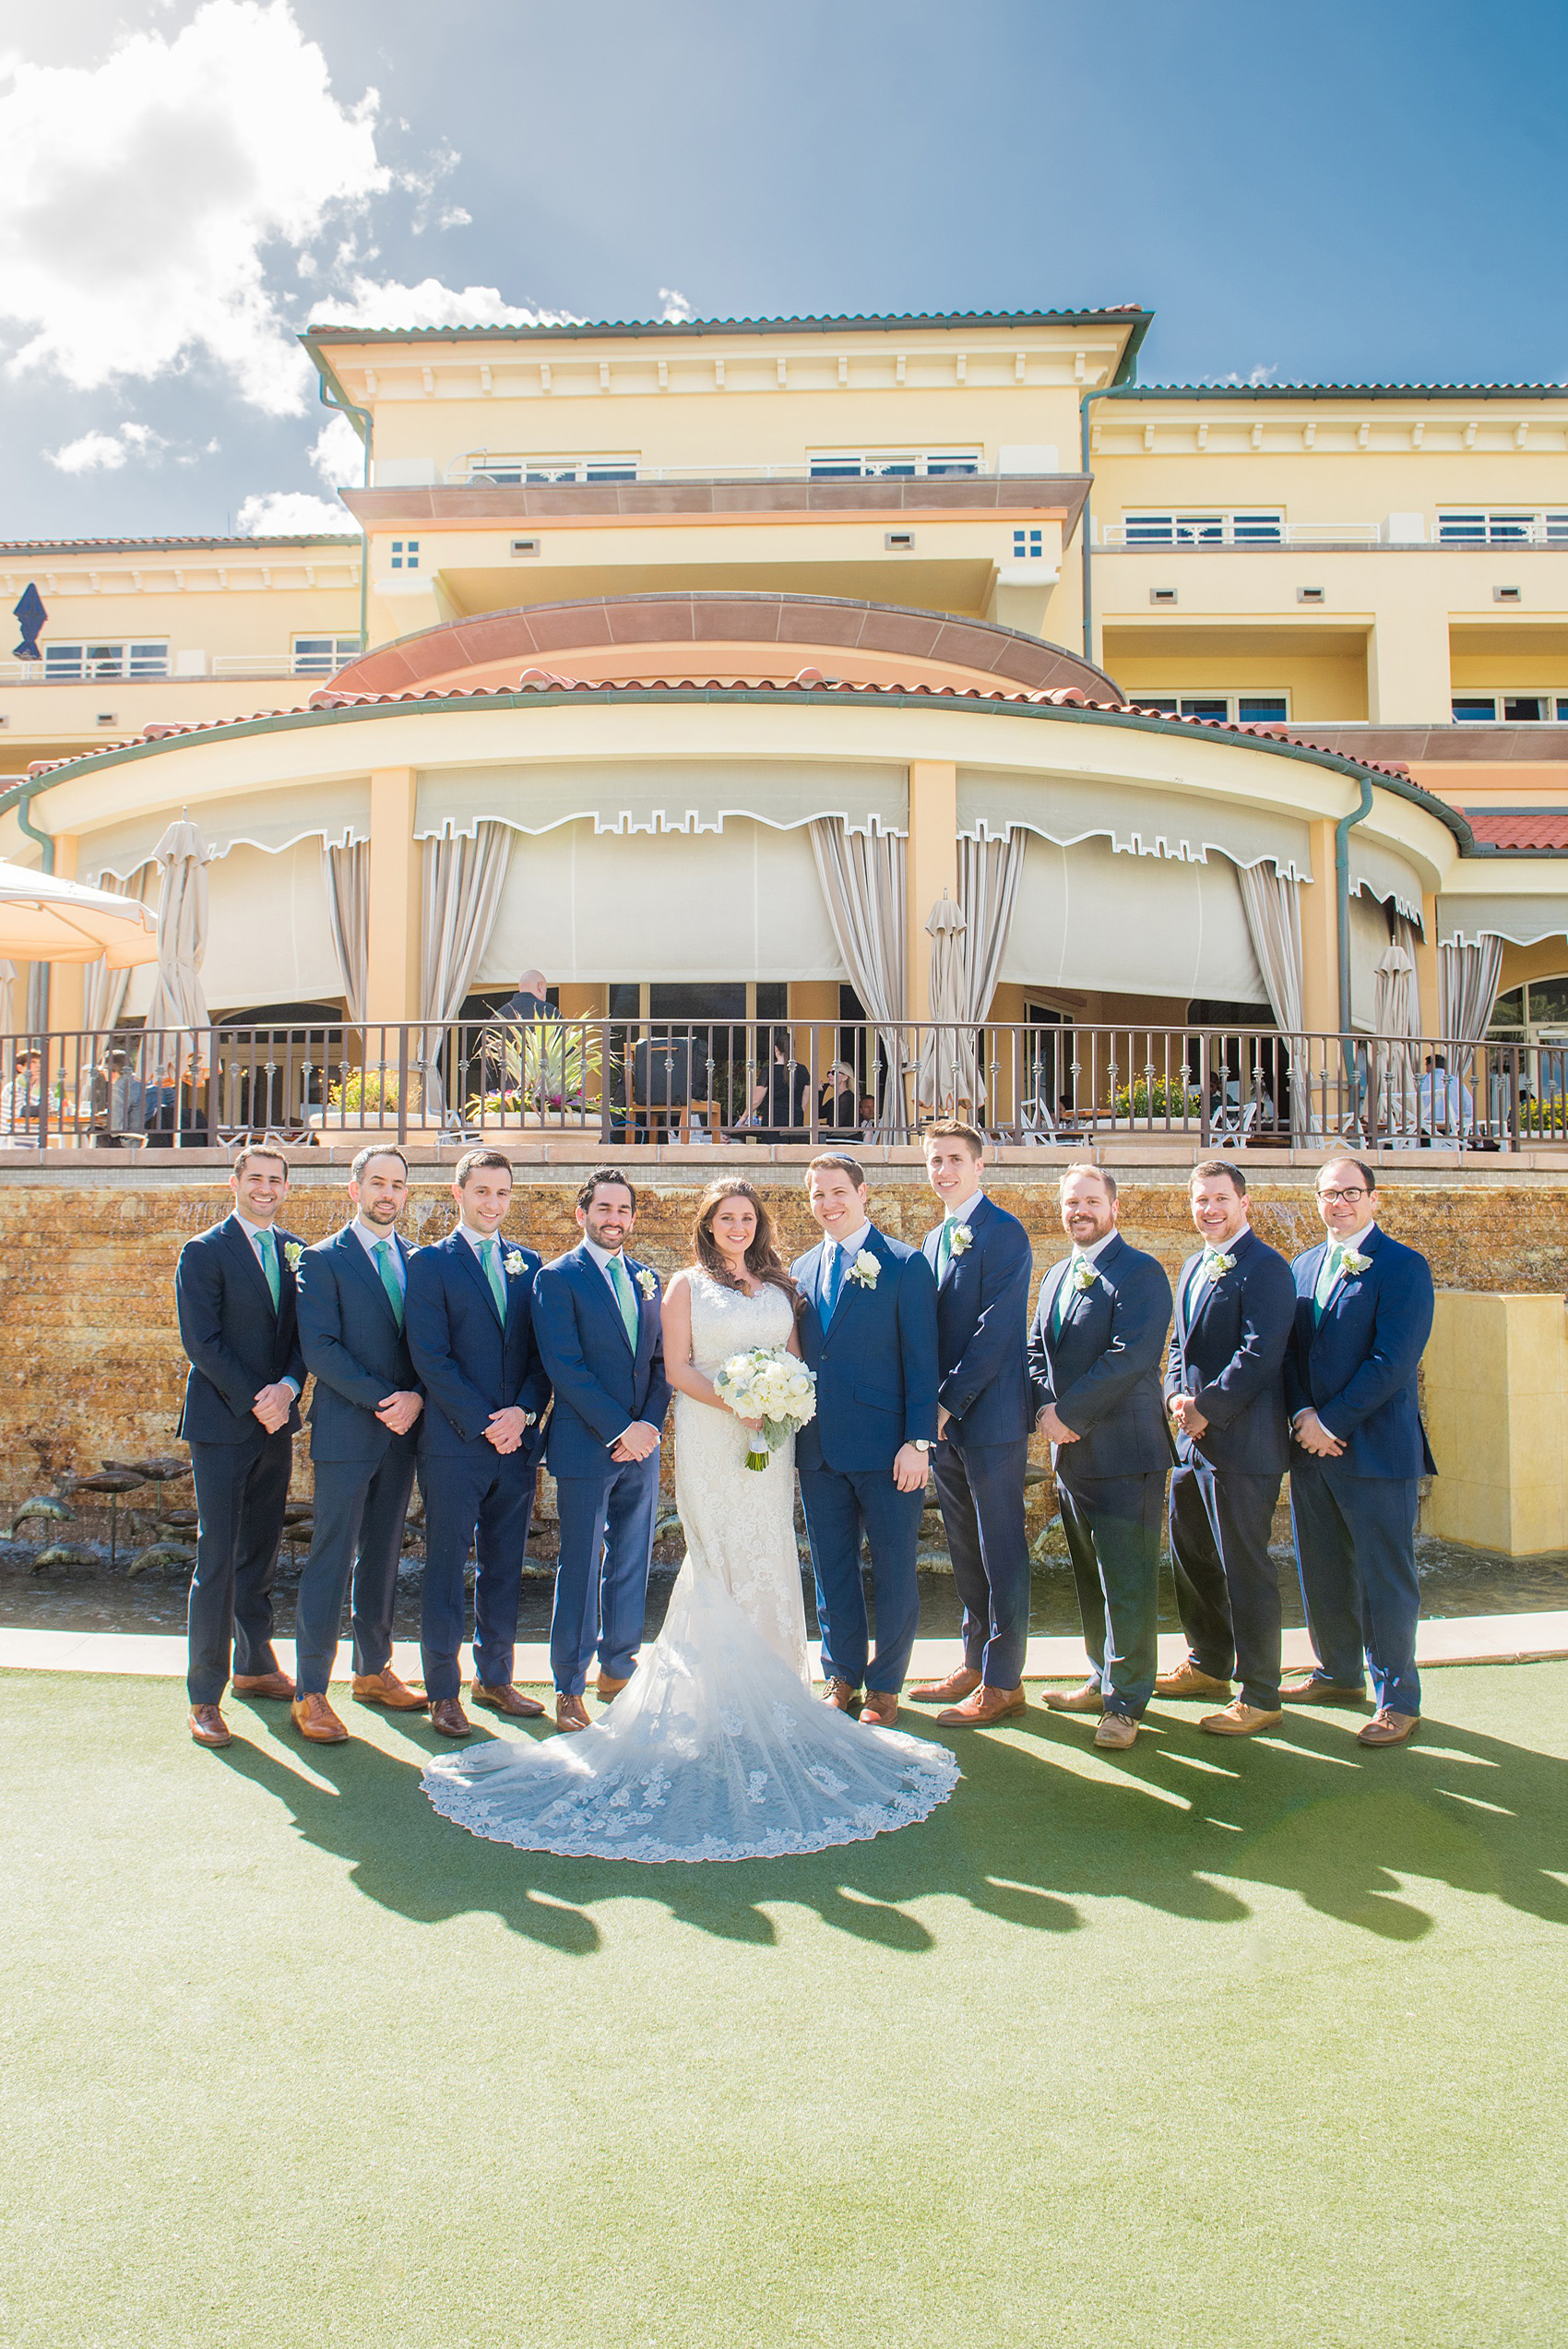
{"x": 1040, "y": 1823}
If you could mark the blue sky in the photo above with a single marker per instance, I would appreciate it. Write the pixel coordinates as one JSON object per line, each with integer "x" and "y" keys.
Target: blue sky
{"x": 1345, "y": 194}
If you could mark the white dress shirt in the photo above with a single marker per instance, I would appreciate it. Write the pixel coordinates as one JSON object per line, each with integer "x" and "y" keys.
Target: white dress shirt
{"x": 370, "y": 1239}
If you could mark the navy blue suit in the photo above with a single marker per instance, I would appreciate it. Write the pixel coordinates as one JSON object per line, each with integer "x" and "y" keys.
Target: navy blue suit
{"x": 1101, "y": 1371}
{"x": 358, "y": 1355}
{"x": 609, "y": 1508}
{"x": 237, "y": 1344}
{"x": 470, "y": 1364}
{"x": 1227, "y": 1352}
{"x": 982, "y": 1332}
{"x": 875, "y": 1363}
{"x": 1355, "y": 1517}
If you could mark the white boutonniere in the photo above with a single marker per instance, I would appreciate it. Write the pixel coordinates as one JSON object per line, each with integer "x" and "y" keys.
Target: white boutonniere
{"x": 512, "y": 1261}
{"x": 1354, "y": 1263}
{"x": 649, "y": 1284}
{"x": 963, "y": 1239}
{"x": 293, "y": 1250}
{"x": 1083, "y": 1275}
{"x": 1217, "y": 1267}
{"x": 865, "y": 1272}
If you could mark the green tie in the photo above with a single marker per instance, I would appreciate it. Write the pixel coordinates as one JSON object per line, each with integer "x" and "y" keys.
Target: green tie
{"x": 268, "y": 1247}
{"x": 945, "y": 1246}
{"x": 1059, "y": 1310}
{"x": 491, "y": 1252}
{"x": 1332, "y": 1265}
{"x": 625, "y": 1299}
{"x": 383, "y": 1253}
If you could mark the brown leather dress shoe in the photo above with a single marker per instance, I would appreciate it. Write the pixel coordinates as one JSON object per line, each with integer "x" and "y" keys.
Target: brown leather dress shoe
{"x": 1187, "y": 1680}
{"x": 880, "y": 1710}
{"x": 981, "y": 1707}
{"x": 314, "y": 1720}
{"x": 509, "y": 1700}
{"x": 1314, "y": 1691}
{"x": 1239, "y": 1719}
{"x": 1091, "y": 1697}
{"x": 1117, "y": 1731}
{"x": 384, "y": 1688}
{"x": 840, "y": 1694}
{"x": 951, "y": 1691}
{"x": 571, "y": 1714}
{"x": 274, "y": 1685}
{"x": 208, "y": 1726}
{"x": 607, "y": 1690}
{"x": 447, "y": 1716}
{"x": 1387, "y": 1727}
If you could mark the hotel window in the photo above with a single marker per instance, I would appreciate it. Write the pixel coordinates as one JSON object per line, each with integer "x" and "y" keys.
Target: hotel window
{"x": 93, "y": 660}
{"x": 1481, "y": 526}
{"x": 405, "y": 555}
{"x": 893, "y": 465}
{"x": 1029, "y": 546}
{"x": 1233, "y": 708}
{"x": 1257, "y": 526}
{"x": 1510, "y": 709}
{"x": 1532, "y": 1014}
{"x": 319, "y": 656}
{"x": 548, "y": 473}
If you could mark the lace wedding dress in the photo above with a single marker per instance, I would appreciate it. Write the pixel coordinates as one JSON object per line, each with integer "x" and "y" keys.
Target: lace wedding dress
{"x": 717, "y": 1749}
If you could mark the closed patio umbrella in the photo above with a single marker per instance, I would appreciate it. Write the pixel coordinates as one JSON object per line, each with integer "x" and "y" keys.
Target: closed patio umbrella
{"x": 949, "y": 1069}
{"x": 177, "y": 998}
{"x": 43, "y": 919}
{"x": 1394, "y": 1090}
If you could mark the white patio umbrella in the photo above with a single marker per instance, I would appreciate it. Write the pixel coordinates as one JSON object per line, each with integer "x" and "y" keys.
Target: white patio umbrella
{"x": 1395, "y": 1091}
{"x": 43, "y": 919}
{"x": 177, "y": 998}
{"x": 950, "y": 1070}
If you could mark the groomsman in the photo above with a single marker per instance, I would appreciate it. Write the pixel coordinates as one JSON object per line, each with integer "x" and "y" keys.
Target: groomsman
{"x": 868, "y": 1331}
{"x": 982, "y": 1261}
{"x": 1363, "y": 1314}
{"x": 1235, "y": 1306}
{"x": 234, "y": 1294}
{"x": 470, "y": 1330}
{"x": 601, "y": 1334}
{"x": 362, "y": 1417}
{"x": 1094, "y": 1353}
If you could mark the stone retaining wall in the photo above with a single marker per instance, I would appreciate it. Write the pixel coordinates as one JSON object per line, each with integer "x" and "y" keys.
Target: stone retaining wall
{"x": 90, "y": 1356}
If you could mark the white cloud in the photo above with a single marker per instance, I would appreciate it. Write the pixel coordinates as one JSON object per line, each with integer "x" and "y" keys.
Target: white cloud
{"x": 677, "y": 309}
{"x": 339, "y": 454}
{"x": 292, "y": 513}
{"x": 141, "y": 194}
{"x": 106, "y": 452}
{"x": 373, "y": 301}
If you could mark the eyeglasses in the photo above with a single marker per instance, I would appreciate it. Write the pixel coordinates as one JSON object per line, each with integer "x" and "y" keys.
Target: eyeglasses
{"x": 1356, "y": 1191}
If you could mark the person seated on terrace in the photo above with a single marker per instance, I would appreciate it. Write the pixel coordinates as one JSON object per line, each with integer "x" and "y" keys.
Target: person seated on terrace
{"x": 836, "y": 1105}
{"x": 1447, "y": 1107}
{"x": 21, "y": 1099}
{"x": 778, "y": 1102}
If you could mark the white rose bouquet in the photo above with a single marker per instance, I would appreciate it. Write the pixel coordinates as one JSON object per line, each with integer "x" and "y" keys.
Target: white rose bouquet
{"x": 767, "y": 1384}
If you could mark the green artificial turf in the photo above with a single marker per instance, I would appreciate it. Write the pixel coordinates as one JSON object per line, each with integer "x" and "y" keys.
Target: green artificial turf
{"x": 1260, "y": 2043}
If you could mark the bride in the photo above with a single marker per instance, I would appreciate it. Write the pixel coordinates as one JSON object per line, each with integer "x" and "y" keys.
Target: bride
{"x": 717, "y": 1749}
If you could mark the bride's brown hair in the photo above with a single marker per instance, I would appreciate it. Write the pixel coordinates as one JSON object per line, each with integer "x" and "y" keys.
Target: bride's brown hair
{"x": 763, "y": 1260}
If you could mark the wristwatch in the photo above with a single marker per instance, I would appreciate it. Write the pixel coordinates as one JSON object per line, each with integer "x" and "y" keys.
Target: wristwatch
{"x": 923, "y": 1443}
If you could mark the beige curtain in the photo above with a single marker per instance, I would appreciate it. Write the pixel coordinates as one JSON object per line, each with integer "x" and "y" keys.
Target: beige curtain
{"x": 865, "y": 884}
{"x": 37, "y": 999}
{"x": 347, "y": 876}
{"x": 1397, "y": 1013}
{"x": 1272, "y": 902}
{"x": 7, "y": 997}
{"x": 104, "y": 991}
{"x": 462, "y": 884}
{"x": 1467, "y": 974}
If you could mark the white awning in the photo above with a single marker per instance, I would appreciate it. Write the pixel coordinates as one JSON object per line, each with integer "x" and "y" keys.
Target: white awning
{"x": 273, "y": 820}
{"x": 1523, "y": 921}
{"x": 1161, "y": 821}
{"x": 668, "y": 795}
{"x": 1089, "y": 916}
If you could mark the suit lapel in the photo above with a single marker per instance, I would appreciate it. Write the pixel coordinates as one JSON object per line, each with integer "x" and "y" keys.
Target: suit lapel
{"x": 361, "y": 1267}
{"x": 240, "y": 1246}
{"x": 847, "y": 1287}
{"x": 1048, "y": 1295}
{"x": 598, "y": 1284}
{"x": 468, "y": 1256}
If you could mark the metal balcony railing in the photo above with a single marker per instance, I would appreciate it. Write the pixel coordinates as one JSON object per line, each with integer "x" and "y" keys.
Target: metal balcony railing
{"x": 607, "y": 1082}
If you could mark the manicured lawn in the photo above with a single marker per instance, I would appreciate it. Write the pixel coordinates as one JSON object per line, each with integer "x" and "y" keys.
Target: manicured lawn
{"x": 1204, "y": 2044}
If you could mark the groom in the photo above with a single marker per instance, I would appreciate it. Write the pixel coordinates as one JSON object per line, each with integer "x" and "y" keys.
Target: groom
{"x": 597, "y": 1316}
{"x": 868, "y": 1330}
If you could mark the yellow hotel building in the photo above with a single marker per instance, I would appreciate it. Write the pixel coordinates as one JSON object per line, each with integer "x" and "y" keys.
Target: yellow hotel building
{"x": 696, "y": 663}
